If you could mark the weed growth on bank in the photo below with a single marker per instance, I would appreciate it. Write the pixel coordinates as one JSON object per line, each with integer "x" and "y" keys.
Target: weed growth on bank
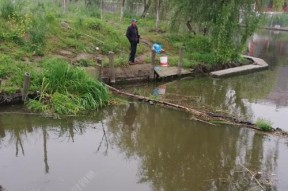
{"x": 67, "y": 90}
{"x": 264, "y": 124}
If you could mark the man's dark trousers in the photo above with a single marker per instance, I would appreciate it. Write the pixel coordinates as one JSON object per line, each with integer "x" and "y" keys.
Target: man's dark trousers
{"x": 133, "y": 51}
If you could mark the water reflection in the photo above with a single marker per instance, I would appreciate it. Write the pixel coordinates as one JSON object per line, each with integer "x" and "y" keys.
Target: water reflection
{"x": 177, "y": 156}
{"x": 268, "y": 44}
{"x": 221, "y": 95}
{"x": 130, "y": 116}
{"x": 247, "y": 97}
{"x": 139, "y": 147}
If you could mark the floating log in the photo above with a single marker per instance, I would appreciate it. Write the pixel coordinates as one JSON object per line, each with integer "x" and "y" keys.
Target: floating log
{"x": 193, "y": 111}
{"x": 200, "y": 116}
{"x": 205, "y": 117}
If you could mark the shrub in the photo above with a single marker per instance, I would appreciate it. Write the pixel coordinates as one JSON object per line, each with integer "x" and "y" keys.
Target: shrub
{"x": 68, "y": 90}
{"x": 264, "y": 125}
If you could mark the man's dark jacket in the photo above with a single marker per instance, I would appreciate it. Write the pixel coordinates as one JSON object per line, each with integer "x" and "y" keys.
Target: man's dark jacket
{"x": 132, "y": 34}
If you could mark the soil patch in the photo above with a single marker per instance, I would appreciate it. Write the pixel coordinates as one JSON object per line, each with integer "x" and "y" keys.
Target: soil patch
{"x": 82, "y": 56}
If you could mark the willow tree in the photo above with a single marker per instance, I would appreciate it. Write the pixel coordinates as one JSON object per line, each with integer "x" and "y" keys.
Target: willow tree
{"x": 229, "y": 22}
{"x": 147, "y": 4}
{"x": 278, "y": 4}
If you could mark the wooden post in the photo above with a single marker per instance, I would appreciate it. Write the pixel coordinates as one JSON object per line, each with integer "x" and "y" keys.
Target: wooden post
{"x": 122, "y": 10}
{"x": 153, "y": 58}
{"x": 99, "y": 68}
{"x": 111, "y": 65}
{"x": 26, "y": 85}
{"x": 180, "y": 62}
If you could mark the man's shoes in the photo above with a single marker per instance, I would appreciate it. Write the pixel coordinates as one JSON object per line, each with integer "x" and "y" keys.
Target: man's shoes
{"x": 131, "y": 63}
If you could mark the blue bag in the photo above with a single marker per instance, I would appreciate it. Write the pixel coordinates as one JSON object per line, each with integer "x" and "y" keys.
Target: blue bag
{"x": 157, "y": 48}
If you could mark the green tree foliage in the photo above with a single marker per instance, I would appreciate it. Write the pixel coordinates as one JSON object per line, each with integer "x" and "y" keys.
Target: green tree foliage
{"x": 223, "y": 20}
{"x": 278, "y": 4}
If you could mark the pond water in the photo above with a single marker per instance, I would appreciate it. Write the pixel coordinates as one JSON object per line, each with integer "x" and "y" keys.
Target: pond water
{"x": 260, "y": 95}
{"x": 146, "y": 147}
{"x": 134, "y": 147}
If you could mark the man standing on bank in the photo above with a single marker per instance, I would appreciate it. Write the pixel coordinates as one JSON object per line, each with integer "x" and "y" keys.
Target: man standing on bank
{"x": 133, "y": 37}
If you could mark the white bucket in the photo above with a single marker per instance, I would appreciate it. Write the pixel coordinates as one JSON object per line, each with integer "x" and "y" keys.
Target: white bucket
{"x": 164, "y": 61}
{"x": 162, "y": 90}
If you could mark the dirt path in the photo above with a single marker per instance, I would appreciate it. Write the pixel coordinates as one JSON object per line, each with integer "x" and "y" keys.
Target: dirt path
{"x": 140, "y": 71}
{"x": 141, "y": 59}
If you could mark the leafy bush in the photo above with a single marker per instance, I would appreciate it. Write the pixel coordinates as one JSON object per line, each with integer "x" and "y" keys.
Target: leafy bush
{"x": 264, "y": 125}
{"x": 69, "y": 90}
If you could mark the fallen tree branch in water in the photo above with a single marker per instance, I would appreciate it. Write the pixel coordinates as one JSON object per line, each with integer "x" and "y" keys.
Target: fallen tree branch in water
{"x": 196, "y": 119}
{"x": 252, "y": 176}
{"x": 205, "y": 117}
{"x": 193, "y": 111}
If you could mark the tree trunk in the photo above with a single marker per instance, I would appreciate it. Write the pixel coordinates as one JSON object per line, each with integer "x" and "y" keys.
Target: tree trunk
{"x": 101, "y": 6}
{"x": 88, "y": 3}
{"x": 188, "y": 24}
{"x": 122, "y": 10}
{"x": 157, "y": 15}
{"x": 147, "y": 5}
{"x": 64, "y": 6}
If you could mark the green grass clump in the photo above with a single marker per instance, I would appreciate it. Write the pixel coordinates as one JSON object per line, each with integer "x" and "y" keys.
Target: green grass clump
{"x": 264, "y": 125}
{"x": 67, "y": 90}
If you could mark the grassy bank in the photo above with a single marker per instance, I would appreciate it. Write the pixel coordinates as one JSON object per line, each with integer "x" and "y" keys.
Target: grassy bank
{"x": 52, "y": 44}
{"x": 67, "y": 90}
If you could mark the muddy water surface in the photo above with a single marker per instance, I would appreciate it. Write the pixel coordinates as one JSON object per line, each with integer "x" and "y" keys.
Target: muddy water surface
{"x": 146, "y": 147}
{"x": 135, "y": 147}
{"x": 261, "y": 95}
